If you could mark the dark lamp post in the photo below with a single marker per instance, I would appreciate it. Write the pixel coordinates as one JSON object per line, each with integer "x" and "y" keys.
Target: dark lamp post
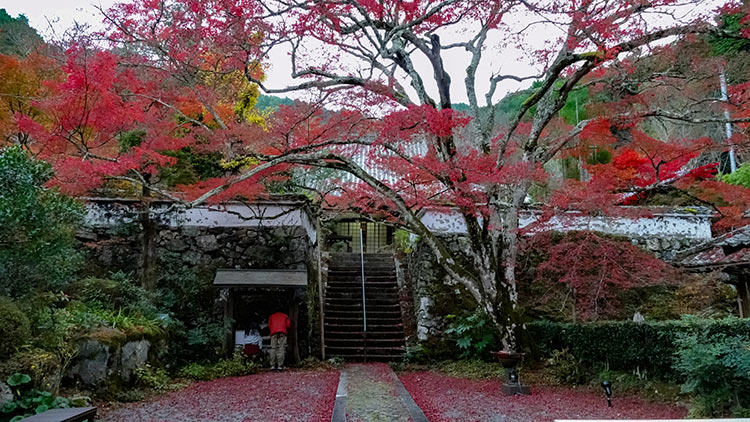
{"x": 512, "y": 384}
{"x": 607, "y": 386}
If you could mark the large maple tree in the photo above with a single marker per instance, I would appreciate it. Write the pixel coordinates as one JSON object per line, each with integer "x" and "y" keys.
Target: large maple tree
{"x": 379, "y": 81}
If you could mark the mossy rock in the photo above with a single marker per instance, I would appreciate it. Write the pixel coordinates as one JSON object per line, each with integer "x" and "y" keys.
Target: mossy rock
{"x": 108, "y": 336}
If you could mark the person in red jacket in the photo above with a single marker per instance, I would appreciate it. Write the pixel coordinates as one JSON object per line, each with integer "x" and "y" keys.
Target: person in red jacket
{"x": 278, "y": 323}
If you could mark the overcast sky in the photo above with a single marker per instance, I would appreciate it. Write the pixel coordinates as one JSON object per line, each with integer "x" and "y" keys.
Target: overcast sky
{"x": 62, "y": 14}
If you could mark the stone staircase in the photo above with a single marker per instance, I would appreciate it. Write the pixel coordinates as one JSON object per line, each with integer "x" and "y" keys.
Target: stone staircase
{"x": 344, "y": 332}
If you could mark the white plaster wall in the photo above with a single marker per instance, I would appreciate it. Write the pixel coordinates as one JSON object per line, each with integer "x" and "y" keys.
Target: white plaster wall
{"x": 108, "y": 214}
{"x": 665, "y": 224}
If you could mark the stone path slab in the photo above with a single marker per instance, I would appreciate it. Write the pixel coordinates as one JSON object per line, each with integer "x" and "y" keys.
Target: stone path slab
{"x": 374, "y": 394}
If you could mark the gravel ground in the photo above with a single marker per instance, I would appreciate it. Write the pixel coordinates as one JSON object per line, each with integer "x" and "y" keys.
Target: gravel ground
{"x": 274, "y": 397}
{"x": 443, "y": 398}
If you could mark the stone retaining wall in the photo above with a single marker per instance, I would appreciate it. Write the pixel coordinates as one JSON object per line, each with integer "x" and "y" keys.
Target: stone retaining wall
{"x": 435, "y": 293}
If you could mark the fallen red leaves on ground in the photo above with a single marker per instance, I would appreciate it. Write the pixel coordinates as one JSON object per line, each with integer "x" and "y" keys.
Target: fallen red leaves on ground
{"x": 274, "y": 397}
{"x": 443, "y": 398}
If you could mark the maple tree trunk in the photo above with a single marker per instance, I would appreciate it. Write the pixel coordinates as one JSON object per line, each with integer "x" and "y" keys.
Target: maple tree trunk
{"x": 148, "y": 231}
{"x": 496, "y": 268}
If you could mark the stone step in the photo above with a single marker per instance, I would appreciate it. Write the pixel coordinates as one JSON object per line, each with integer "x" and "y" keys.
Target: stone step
{"x": 352, "y": 276}
{"x": 357, "y": 301}
{"x": 356, "y": 285}
{"x": 348, "y": 307}
{"x": 395, "y": 333}
{"x": 372, "y": 328}
{"x": 332, "y": 316}
{"x": 370, "y": 357}
{"x": 369, "y": 293}
{"x": 371, "y": 310}
{"x": 357, "y": 257}
{"x": 370, "y": 344}
{"x": 385, "y": 350}
{"x": 370, "y": 320}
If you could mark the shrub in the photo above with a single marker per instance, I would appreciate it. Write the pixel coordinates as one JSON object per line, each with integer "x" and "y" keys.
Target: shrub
{"x": 116, "y": 292}
{"x": 565, "y": 368}
{"x": 648, "y": 347}
{"x": 132, "y": 395}
{"x": 44, "y": 367}
{"x": 717, "y": 370}
{"x": 474, "y": 334}
{"x": 234, "y": 367}
{"x": 15, "y": 329}
{"x": 472, "y": 369}
{"x": 154, "y": 378}
{"x": 132, "y": 324}
{"x": 37, "y": 225}
{"x": 28, "y": 401}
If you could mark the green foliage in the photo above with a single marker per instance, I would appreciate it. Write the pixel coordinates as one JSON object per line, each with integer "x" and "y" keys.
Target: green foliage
{"x": 565, "y": 368}
{"x": 473, "y": 333}
{"x": 17, "y": 380}
{"x": 336, "y": 362}
{"x": 648, "y": 348}
{"x": 156, "y": 379}
{"x": 187, "y": 297}
{"x": 116, "y": 292}
{"x": 740, "y": 177}
{"x": 128, "y": 140}
{"x": 629, "y": 383}
{"x": 15, "y": 329}
{"x": 37, "y": 227}
{"x": 402, "y": 241}
{"x": 207, "y": 331}
{"x": 191, "y": 167}
{"x": 43, "y": 367}
{"x": 512, "y": 103}
{"x": 17, "y": 38}
{"x": 574, "y": 111}
{"x": 472, "y": 369}
{"x": 716, "y": 366}
{"x": 133, "y": 324}
{"x": 130, "y": 395}
{"x": 730, "y": 45}
{"x": 28, "y": 401}
{"x": 234, "y": 367}
{"x": 271, "y": 103}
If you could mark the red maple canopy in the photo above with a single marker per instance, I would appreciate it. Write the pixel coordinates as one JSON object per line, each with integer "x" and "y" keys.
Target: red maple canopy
{"x": 377, "y": 81}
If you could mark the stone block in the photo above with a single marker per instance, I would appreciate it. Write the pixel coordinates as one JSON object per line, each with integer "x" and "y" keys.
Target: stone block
{"x": 192, "y": 257}
{"x": 134, "y": 355}
{"x": 191, "y": 231}
{"x": 207, "y": 242}
{"x": 176, "y": 245}
{"x": 92, "y": 364}
{"x": 6, "y": 394}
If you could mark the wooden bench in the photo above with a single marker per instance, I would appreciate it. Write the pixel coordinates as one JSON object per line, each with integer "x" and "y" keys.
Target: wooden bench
{"x": 651, "y": 420}
{"x": 77, "y": 414}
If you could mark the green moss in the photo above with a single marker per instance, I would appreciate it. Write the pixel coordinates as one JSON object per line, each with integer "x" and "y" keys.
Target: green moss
{"x": 108, "y": 336}
{"x": 472, "y": 369}
{"x": 15, "y": 329}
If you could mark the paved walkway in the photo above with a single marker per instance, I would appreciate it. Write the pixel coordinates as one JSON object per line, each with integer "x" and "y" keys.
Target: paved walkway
{"x": 373, "y": 393}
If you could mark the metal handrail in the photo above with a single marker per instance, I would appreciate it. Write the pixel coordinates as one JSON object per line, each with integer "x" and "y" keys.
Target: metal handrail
{"x": 364, "y": 307}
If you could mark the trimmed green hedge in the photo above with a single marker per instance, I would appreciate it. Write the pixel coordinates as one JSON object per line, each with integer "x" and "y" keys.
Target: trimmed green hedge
{"x": 625, "y": 346}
